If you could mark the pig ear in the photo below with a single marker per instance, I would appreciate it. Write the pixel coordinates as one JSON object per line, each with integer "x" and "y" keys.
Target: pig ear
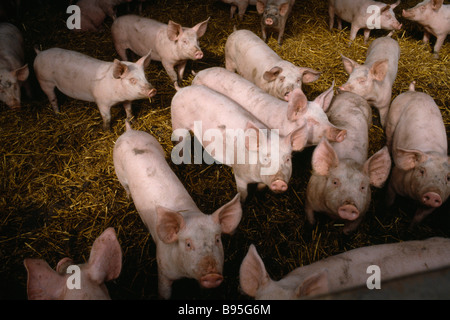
{"x": 252, "y": 138}
{"x": 324, "y": 100}
{"x": 119, "y": 69}
{"x": 43, "y": 282}
{"x": 395, "y": 5}
{"x": 229, "y": 215}
{"x": 174, "y": 31}
{"x": 309, "y": 75}
{"x": 298, "y": 138}
{"x": 105, "y": 260}
{"x": 253, "y": 274}
{"x": 168, "y": 224}
{"x": 385, "y": 9}
{"x": 21, "y": 73}
{"x": 379, "y": 69}
{"x": 283, "y": 9}
{"x": 145, "y": 60}
{"x": 272, "y": 74}
{"x": 200, "y": 28}
{"x": 63, "y": 264}
{"x": 348, "y": 64}
{"x": 260, "y": 6}
{"x": 378, "y": 167}
{"x": 313, "y": 285}
{"x": 324, "y": 158}
{"x": 409, "y": 159}
{"x": 297, "y": 105}
{"x": 436, "y": 4}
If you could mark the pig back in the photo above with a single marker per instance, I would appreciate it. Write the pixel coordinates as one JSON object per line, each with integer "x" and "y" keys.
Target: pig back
{"x": 351, "y": 112}
{"x": 11, "y": 47}
{"x": 385, "y": 48}
{"x": 415, "y": 122}
{"x": 140, "y": 160}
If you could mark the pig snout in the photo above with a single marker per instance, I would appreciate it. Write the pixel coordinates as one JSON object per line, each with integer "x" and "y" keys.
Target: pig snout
{"x": 198, "y": 55}
{"x": 268, "y": 21}
{"x": 398, "y": 26}
{"x": 432, "y": 199}
{"x": 348, "y": 212}
{"x": 211, "y": 280}
{"x": 151, "y": 92}
{"x": 279, "y": 186}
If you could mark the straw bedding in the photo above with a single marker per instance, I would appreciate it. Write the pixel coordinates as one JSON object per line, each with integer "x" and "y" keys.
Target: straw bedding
{"x": 58, "y": 189}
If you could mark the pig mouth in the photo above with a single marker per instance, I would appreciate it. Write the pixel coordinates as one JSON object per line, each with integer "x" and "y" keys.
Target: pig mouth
{"x": 211, "y": 280}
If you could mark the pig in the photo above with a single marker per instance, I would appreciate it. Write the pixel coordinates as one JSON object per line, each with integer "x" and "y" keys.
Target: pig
{"x": 252, "y": 58}
{"x": 342, "y": 174}
{"x": 274, "y": 14}
{"x": 188, "y": 242}
{"x": 374, "y": 79}
{"x": 171, "y": 43}
{"x": 94, "y": 12}
{"x": 13, "y": 71}
{"x": 240, "y": 5}
{"x": 361, "y": 16}
{"x": 272, "y": 167}
{"x": 85, "y": 78}
{"x": 416, "y": 137}
{"x": 273, "y": 112}
{"x": 104, "y": 264}
{"x": 434, "y": 16}
{"x": 345, "y": 270}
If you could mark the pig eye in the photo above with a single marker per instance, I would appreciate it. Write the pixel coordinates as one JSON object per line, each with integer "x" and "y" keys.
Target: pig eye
{"x": 218, "y": 239}
{"x": 422, "y": 171}
{"x": 282, "y": 78}
{"x": 448, "y": 177}
{"x": 188, "y": 244}
{"x": 336, "y": 182}
{"x": 133, "y": 81}
{"x": 363, "y": 187}
{"x": 362, "y": 80}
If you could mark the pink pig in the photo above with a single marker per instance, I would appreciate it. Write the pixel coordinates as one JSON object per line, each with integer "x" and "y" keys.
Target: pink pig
{"x": 416, "y": 136}
{"x": 240, "y": 5}
{"x": 94, "y": 12}
{"x": 104, "y": 264}
{"x": 188, "y": 242}
{"x": 434, "y": 16}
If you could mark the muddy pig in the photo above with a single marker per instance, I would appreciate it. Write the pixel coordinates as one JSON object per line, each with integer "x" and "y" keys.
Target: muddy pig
{"x": 263, "y": 158}
{"x": 434, "y": 16}
{"x": 358, "y": 13}
{"x": 374, "y": 79}
{"x": 274, "y": 16}
{"x": 94, "y": 12}
{"x": 342, "y": 174}
{"x": 273, "y": 112}
{"x": 105, "y": 83}
{"x": 253, "y": 59}
{"x": 188, "y": 242}
{"x": 13, "y": 71}
{"x": 345, "y": 270}
{"x": 171, "y": 43}
{"x": 104, "y": 264}
{"x": 417, "y": 139}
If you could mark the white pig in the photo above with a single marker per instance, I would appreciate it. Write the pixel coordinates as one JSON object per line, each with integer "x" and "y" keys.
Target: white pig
{"x": 223, "y": 119}
{"x": 417, "y": 139}
{"x": 104, "y": 264}
{"x": 85, "y": 78}
{"x": 188, "y": 242}
{"x": 253, "y": 59}
{"x": 274, "y": 14}
{"x": 240, "y": 5}
{"x": 374, "y": 79}
{"x": 13, "y": 71}
{"x": 342, "y": 174}
{"x": 171, "y": 43}
{"x": 273, "y": 112}
{"x": 345, "y": 270}
{"x": 361, "y": 16}
{"x": 434, "y": 16}
{"x": 94, "y": 12}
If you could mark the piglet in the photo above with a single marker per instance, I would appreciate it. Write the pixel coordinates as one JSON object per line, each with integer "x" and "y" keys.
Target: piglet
{"x": 13, "y": 71}
{"x": 105, "y": 83}
{"x": 104, "y": 264}
{"x": 253, "y": 59}
{"x": 274, "y": 14}
{"x": 417, "y": 139}
{"x": 256, "y": 154}
{"x": 94, "y": 12}
{"x": 361, "y": 16}
{"x": 171, "y": 43}
{"x": 273, "y": 112}
{"x": 240, "y": 5}
{"x": 434, "y": 16}
{"x": 188, "y": 242}
{"x": 374, "y": 79}
{"x": 345, "y": 270}
{"x": 342, "y": 174}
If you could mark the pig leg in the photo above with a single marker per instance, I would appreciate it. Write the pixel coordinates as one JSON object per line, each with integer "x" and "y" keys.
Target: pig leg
{"x": 310, "y": 213}
{"x": 164, "y": 285}
{"x": 438, "y": 45}
{"x": 170, "y": 69}
{"x": 331, "y": 14}
{"x": 426, "y": 37}
{"x": 390, "y": 192}
{"x": 366, "y": 35}
{"x": 49, "y": 90}
{"x": 280, "y": 36}
{"x": 339, "y": 23}
{"x": 353, "y": 32}
{"x": 121, "y": 51}
{"x": 241, "y": 10}
{"x": 105, "y": 112}
{"x": 128, "y": 110}
{"x": 232, "y": 11}
{"x": 229, "y": 64}
{"x": 180, "y": 71}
